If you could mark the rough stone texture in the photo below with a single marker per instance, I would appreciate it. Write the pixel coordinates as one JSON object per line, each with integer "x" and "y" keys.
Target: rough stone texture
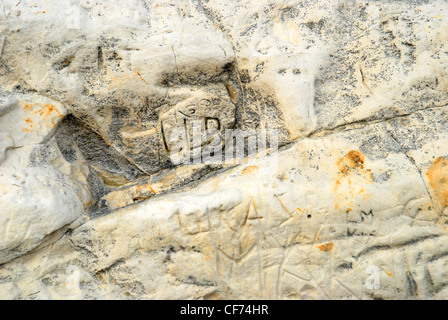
{"x": 94, "y": 206}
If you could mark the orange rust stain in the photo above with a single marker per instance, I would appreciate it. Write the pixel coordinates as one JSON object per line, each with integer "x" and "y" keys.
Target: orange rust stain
{"x": 28, "y": 107}
{"x": 87, "y": 203}
{"x": 304, "y": 211}
{"x": 388, "y": 273}
{"x": 353, "y": 160}
{"x": 217, "y": 27}
{"x": 345, "y": 202}
{"x": 326, "y": 247}
{"x": 30, "y": 125}
{"x": 438, "y": 178}
{"x": 352, "y": 164}
{"x": 140, "y": 76}
{"x": 118, "y": 80}
{"x": 68, "y": 60}
{"x": 207, "y": 253}
{"x": 351, "y": 180}
{"x": 146, "y": 186}
{"x": 138, "y": 117}
{"x": 47, "y": 110}
{"x": 250, "y": 170}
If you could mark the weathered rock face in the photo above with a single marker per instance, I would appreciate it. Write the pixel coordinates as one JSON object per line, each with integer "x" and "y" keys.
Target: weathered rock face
{"x": 110, "y": 114}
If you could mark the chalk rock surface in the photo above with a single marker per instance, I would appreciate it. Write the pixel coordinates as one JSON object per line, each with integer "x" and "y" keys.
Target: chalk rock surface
{"x": 344, "y": 196}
